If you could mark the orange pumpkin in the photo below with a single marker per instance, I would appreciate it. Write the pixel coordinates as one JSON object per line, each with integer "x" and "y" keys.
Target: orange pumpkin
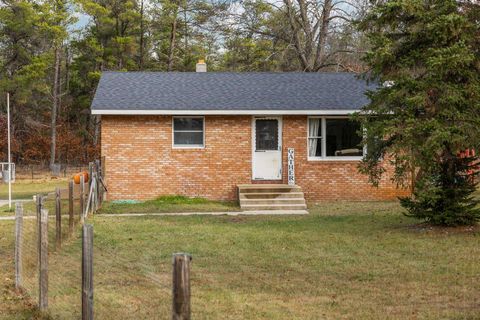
{"x": 76, "y": 178}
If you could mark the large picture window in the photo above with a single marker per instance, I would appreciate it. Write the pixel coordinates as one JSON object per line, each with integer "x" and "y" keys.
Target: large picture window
{"x": 188, "y": 132}
{"x": 334, "y": 138}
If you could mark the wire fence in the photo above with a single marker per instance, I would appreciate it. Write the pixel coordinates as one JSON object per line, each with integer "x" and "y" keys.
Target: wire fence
{"x": 62, "y": 231}
{"x": 29, "y": 256}
{"x": 69, "y": 275}
{"x": 128, "y": 288}
{"x": 36, "y": 172}
{"x": 48, "y": 265}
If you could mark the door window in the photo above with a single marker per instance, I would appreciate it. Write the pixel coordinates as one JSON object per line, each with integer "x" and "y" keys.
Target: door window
{"x": 266, "y": 134}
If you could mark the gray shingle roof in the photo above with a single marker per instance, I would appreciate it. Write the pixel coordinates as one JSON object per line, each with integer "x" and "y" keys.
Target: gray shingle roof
{"x": 133, "y": 91}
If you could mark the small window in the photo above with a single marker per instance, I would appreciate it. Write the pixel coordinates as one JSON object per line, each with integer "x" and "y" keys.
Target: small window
{"x": 188, "y": 132}
{"x": 334, "y": 138}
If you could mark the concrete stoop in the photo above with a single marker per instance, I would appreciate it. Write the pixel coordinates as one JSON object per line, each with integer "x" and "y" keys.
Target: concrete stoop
{"x": 263, "y": 197}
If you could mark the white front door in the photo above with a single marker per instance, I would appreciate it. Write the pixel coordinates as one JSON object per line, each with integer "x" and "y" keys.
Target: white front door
{"x": 267, "y": 148}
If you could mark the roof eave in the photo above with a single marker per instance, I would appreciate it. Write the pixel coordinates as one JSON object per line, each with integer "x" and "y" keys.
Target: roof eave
{"x": 223, "y": 112}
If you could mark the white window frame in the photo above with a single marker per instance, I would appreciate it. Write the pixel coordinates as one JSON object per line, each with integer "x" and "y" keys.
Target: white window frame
{"x": 188, "y": 146}
{"x": 323, "y": 141}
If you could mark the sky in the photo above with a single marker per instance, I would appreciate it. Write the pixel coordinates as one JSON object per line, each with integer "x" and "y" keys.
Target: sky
{"x": 82, "y": 19}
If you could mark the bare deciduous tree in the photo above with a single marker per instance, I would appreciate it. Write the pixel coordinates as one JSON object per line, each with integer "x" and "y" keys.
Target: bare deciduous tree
{"x": 311, "y": 24}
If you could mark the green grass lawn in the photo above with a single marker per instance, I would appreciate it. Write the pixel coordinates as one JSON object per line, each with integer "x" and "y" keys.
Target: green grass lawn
{"x": 25, "y": 189}
{"x": 170, "y": 204}
{"x": 164, "y": 204}
{"x": 346, "y": 260}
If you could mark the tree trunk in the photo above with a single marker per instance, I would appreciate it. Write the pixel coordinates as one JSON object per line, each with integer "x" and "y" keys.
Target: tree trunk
{"x": 96, "y": 134}
{"x": 53, "y": 132}
{"x": 309, "y": 25}
{"x": 67, "y": 70}
{"x": 142, "y": 37}
{"x": 291, "y": 14}
{"x": 87, "y": 137}
{"x": 185, "y": 61}
{"x": 322, "y": 40}
{"x": 173, "y": 35}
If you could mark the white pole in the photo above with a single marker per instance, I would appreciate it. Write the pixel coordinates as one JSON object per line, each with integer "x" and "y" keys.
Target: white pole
{"x": 9, "y": 155}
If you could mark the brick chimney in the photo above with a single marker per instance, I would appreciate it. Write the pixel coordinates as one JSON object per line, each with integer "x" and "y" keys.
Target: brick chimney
{"x": 201, "y": 66}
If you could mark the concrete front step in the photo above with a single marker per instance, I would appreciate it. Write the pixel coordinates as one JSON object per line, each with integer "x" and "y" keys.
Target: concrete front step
{"x": 249, "y": 207}
{"x": 273, "y": 201}
{"x": 271, "y": 195}
{"x": 267, "y": 188}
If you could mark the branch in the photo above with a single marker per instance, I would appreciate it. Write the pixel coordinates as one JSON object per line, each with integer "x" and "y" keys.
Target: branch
{"x": 340, "y": 17}
{"x": 345, "y": 68}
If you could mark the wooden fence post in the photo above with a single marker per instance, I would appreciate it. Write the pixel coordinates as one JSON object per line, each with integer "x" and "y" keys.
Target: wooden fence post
{"x": 87, "y": 272}
{"x": 95, "y": 192}
{"x": 58, "y": 219}
{"x": 91, "y": 195}
{"x": 98, "y": 190}
{"x": 98, "y": 165}
{"x": 70, "y": 207}
{"x": 82, "y": 198}
{"x": 103, "y": 176}
{"x": 18, "y": 245}
{"x": 39, "y": 203}
{"x": 90, "y": 171}
{"x": 43, "y": 258}
{"x": 39, "y": 206}
{"x": 89, "y": 206}
{"x": 181, "y": 286}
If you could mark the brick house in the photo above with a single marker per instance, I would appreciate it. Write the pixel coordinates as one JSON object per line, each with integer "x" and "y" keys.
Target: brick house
{"x": 213, "y": 134}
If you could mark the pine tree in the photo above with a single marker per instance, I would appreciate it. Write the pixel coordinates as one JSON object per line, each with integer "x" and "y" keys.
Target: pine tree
{"x": 426, "y": 115}
{"x": 23, "y": 67}
{"x": 444, "y": 194}
{"x": 56, "y": 19}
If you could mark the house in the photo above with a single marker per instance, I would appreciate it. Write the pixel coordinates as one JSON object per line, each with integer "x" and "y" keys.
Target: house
{"x": 210, "y": 134}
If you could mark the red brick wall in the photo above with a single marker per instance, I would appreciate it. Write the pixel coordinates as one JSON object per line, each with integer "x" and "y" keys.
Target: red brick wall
{"x": 326, "y": 179}
{"x": 141, "y": 163}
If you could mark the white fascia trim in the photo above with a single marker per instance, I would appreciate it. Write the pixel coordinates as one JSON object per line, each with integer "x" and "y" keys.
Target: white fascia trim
{"x": 224, "y": 112}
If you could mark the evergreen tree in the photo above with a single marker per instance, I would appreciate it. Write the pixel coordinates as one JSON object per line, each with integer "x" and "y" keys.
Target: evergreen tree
{"x": 426, "y": 115}
{"x": 24, "y": 68}
{"x": 183, "y": 31}
{"x": 56, "y": 19}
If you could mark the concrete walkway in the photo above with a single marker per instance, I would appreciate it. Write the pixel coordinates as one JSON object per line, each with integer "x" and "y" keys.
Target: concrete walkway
{"x": 5, "y": 202}
{"x": 223, "y": 213}
{"x": 227, "y": 213}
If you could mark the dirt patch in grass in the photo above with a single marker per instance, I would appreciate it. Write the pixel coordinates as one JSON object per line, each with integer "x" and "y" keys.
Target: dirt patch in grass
{"x": 237, "y": 219}
{"x": 17, "y": 305}
{"x": 434, "y": 229}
